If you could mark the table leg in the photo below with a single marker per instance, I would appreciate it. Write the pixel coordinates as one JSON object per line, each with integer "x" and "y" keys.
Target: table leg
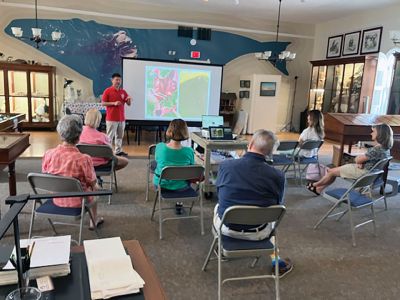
{"x": 341, "y": 153}
{"x": 207, "y": 166}
{"x": 12, "y": 183}
{"x": 350, "y": 145}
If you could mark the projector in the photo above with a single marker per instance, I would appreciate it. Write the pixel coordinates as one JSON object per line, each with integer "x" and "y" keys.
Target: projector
{"x": 205, "y": 133}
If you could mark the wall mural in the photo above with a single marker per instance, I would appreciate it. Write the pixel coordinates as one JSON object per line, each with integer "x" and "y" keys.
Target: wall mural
{"x": 94, "y": 50}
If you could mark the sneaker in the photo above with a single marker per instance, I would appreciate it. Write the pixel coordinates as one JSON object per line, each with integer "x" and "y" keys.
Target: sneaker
{"x": 122, "y": 153}
{"x": 285, "y": 267}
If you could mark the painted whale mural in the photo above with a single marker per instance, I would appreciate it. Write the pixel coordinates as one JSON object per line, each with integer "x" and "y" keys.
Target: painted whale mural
{"x": 94, "y": 50}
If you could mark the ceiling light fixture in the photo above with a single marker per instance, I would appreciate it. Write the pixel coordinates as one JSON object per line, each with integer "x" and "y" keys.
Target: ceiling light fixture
{"x": 36, "y": 32}
{"x": 276, "y": 57}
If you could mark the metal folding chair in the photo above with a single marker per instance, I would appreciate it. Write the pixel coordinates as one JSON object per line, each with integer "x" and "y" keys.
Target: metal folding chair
{"x": 305, "y": 161}
{"x": 151, "y": 167}
{"x": 56, "y": 184}
{"x": 235, "y": 248}
{"x": 103, "y": 151}
{"x": 188, "y": 195}
{"x": 287, "y": 159}
{"x": 356, "y": 197}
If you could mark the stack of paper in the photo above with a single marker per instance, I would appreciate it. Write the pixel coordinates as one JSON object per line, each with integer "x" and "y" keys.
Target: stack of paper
{"x": 110, "y": 269}
{"x": 50, "y": 257}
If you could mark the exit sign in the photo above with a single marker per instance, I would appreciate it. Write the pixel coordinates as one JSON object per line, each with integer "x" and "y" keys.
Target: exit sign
{"x": 195, "y": 54}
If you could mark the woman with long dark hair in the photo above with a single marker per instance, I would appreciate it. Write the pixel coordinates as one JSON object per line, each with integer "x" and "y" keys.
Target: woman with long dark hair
{"x": 314, "y": 131}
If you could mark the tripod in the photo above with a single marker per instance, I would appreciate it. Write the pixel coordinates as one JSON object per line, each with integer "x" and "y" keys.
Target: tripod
{"x": 289, "y": 126}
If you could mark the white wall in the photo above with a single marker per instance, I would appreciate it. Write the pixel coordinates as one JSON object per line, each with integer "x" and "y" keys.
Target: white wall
{"x": 388, "y": 17}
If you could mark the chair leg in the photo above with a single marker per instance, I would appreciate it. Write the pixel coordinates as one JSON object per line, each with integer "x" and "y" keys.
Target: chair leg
{"x": 148, "y": 182}
{"x": 94, "y": 222}
{"x": 219, "y": 269}
{"x": 52, "y": 226}
{"x": 115, "y": 181}
{"x": 154, "y": 206}
{"x": 160, "y": 220}
{"x": 255, "y": 261}
{"x": 384, "y": 201}
{"x": 353, "y": 234}
{"x": 201, "y": 212}
{"x": 209, "y": 254}
{"x": 276, "y": 252}
{"x": 32, "y": 219}
{"x": 373, "y": 218}
{"x": 111, "y": 187}
{"x": 327, "y": 214}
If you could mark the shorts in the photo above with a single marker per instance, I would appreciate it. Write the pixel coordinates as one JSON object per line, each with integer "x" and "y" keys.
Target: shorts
{"x": 351, "y": 171}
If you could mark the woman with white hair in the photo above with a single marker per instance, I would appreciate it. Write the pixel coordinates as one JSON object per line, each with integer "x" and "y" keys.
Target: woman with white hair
{"x": 66, "y": 160}
{"x": 90, "y": 135}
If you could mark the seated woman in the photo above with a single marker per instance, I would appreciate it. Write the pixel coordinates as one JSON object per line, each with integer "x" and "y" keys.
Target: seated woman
{"x": 173, "y": 154}
{"x": 314, "y": 132}
{"x": 66, "y": 160}
{"x": 90, "y": 135}
{"x": 382, "y": 135}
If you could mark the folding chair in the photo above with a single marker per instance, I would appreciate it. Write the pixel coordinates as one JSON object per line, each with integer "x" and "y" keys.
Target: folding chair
{"x": 57, "y": 184}
{"x": 188, "y": 195}
{"x": 151, "y": 167}
{"x": 287, "y": 159}
{"x": 300, "y": 160}
{"x": 354, "y": 198}
{"x": 103, "y": 151}
{"x": 235, "y": 248}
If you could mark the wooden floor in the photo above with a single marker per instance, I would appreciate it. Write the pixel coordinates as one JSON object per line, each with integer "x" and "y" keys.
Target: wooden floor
{"x": 44, "y": 140}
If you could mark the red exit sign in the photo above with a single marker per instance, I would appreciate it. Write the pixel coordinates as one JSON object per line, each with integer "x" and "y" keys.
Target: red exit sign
{"x": 195, "y": 54}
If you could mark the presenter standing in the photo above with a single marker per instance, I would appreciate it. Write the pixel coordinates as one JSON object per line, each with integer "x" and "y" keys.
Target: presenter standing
{"x": 114, "y": 99}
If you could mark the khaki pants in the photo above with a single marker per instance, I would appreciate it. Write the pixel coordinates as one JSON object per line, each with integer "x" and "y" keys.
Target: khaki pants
{"x": 115, "y": 131}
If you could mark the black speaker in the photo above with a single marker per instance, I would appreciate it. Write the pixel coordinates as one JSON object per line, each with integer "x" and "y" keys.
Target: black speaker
{"x": 184, "y": 31}
{"x": 204, "y": 34}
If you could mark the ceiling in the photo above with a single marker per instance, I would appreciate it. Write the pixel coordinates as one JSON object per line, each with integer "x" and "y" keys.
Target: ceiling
{"x": 296, "y": 11}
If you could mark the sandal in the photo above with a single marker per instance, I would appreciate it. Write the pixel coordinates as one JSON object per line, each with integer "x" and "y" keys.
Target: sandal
{"x": 99, "y": 222}
{"x": 312, "y": 189}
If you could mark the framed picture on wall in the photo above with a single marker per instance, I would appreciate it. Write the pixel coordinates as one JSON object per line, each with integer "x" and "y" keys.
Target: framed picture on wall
{"x": 334, "y": 46}
{"x": 244, "y": 94}
{"x": 371, "y": 40}
{"x": 351, "y": 43}
{"x": 268, "y": 89}
{"x": 245, "y": 83}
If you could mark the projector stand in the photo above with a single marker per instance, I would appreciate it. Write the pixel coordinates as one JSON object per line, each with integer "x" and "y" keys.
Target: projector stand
{"x": 289, "y": 126}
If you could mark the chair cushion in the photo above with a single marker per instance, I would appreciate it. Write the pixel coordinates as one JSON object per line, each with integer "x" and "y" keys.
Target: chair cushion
{"x": 186, "y": 193}
{"x": 281, "y": 159}
{"x": 50, "y": 208}
{"x": 356, "y": 198}
{"x": 232, "y": 244}
{"x": 307, "y": 160}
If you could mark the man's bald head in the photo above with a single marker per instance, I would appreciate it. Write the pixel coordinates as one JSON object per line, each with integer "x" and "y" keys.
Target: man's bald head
{"x": 263, "y": 142}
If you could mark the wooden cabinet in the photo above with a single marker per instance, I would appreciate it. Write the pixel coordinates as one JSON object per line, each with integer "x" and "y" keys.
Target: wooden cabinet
{"x": 28, "y": 89}
{"x": 394, "y": 98}
{"x": 342, "y": 85}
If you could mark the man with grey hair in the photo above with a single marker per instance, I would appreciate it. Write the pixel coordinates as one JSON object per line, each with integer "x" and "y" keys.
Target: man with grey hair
{"x": 250, "y": 180}
{"x": 66, "y": 160}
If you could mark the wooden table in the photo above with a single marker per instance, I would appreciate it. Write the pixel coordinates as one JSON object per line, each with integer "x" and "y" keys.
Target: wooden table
{"x": 12, "y": 145}
{"x": 153, "y": 289}
{"x": 210, "y": 145}
{"x": 351, "y": 128}
{"x": 10, "y": 121}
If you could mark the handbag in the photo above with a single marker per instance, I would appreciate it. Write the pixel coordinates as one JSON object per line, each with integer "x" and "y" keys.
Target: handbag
{"x": 316, "y": 171}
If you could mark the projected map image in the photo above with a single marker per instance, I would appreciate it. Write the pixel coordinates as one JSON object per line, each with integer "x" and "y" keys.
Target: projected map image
{"x": 176, "y": 93}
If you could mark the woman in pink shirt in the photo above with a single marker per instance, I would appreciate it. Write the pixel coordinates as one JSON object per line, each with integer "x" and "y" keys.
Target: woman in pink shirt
{"x": 90, "y": 135}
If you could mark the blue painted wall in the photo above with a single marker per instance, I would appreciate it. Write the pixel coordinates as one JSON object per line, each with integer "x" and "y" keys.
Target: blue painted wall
{"x": 94, "y": 50}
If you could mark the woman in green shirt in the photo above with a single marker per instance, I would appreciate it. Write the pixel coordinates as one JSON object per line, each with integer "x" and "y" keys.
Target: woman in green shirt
{"x": 173, "y": 153}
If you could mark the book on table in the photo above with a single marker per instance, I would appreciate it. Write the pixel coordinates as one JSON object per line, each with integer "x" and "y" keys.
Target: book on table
{"x": 110, "y": 269}
{"x": 50, "y": 257}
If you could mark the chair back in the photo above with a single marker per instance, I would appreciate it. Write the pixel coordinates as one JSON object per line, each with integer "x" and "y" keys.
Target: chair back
{"x": 310, "y": 145}
{"x": 182, "y": 172}
{"x": 103, "y": 151}
{"x": 382, "y": 164}
{"x": 53, "y": 183}
{"x": 287, "y": 145}
{"x": 367, "y": 180}
{"x": 253, "y": 215}
{"x": 152, "y": 152}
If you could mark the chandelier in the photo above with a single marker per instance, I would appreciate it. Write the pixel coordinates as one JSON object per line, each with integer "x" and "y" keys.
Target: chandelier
{"x": 36, "y": 33}
{"x": 276, "y": 57}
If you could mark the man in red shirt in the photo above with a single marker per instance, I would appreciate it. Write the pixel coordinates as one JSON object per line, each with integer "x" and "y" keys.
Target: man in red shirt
{"x": 114, "y": 99}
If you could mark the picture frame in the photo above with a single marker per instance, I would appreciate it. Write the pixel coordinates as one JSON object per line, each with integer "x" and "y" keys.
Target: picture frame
{"x": 351, "y": 43}
{"x": 334, "y": 46}
{"x": 244, "y": 94}
{"x": 268, "y": 89}
{"x": 371, "y": 40}
{"x": 245, "y": 83}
